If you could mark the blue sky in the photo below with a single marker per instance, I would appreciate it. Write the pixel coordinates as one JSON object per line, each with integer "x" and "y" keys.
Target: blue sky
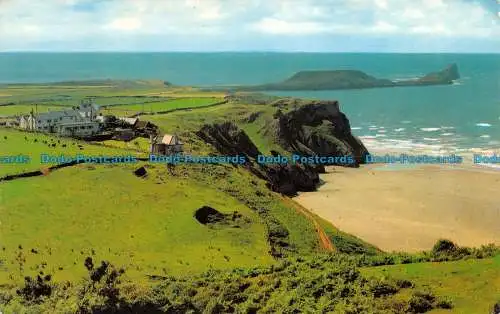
{"x": 250, "y": 25}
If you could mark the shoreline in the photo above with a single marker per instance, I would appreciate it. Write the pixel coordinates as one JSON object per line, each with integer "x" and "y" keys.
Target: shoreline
{"x": 408, "y": 207}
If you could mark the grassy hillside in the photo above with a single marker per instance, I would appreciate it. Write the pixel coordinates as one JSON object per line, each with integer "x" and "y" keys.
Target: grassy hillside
{"x": 51, "y": 225}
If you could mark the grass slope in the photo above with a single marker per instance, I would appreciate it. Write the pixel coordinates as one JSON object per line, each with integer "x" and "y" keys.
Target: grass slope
{"x": 151, "y": 229}
{"x": 473, "y": 285}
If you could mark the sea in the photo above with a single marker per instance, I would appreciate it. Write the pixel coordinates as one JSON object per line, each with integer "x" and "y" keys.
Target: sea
{"x": 458, "y": 118}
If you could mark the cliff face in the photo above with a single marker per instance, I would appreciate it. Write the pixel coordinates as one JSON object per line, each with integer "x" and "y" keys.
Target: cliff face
{"x": 287, "y": 179}
{"x": 314, "y": 128}
{"x": 317, "y": 128}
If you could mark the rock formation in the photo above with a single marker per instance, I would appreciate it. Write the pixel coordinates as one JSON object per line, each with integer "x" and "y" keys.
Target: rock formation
{"x": 316, "y": 128}
{"x": 287, "y": 179}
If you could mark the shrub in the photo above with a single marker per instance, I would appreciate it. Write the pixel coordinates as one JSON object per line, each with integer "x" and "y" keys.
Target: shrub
{"x": 444, "y": 246}
{"x": 421, "y": 302}
{"x": 35, "y": 289}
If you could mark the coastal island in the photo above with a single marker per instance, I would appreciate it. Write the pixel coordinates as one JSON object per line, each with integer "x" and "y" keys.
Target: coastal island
{"x": 351, "y": 79}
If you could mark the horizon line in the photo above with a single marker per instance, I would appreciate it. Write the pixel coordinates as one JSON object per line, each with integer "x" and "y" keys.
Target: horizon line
{"x": 248, "y": 51}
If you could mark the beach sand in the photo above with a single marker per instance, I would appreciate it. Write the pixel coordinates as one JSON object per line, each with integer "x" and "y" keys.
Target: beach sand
{"x": 410, "y": 208}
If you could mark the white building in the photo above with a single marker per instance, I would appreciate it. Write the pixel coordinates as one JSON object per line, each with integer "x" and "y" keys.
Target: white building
{"x": 75, "y": 122}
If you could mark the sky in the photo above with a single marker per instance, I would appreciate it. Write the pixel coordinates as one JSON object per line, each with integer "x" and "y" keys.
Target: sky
{"x": 251, "y": 25}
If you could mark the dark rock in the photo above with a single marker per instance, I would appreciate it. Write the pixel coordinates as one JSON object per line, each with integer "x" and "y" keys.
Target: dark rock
{"x": 496, "y": 308}
{"x": 141, "y": 172}
{"x": 253, "y": 116}
{"x": 317, "y": 128}
{"x": 287, "y": 179}
{"x": 228, "y": 139}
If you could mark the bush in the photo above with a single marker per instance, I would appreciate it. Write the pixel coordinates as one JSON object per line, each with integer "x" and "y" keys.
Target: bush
{"x": 35, "y": 289}
{"x": 444, "y": 304}
{"x": 421, "y": 302}
{"x": 444, "y": 246}
{"x": 379, "y": 289}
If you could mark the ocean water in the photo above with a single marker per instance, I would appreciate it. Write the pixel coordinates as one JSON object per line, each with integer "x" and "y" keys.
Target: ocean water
{"x": 463, "y": 117}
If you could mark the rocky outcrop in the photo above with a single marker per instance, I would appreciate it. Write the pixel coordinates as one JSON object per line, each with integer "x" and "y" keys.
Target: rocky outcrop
{"x": 316, "y": 128}
{"x": 446, "y": 76}
{"x": 350, "y": 79}
{"x": 287, "y": 179}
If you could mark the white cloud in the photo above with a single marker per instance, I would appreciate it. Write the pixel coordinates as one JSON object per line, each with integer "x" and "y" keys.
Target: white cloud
{"x": 34, "y": 22}
{"x": 456, "y": 18}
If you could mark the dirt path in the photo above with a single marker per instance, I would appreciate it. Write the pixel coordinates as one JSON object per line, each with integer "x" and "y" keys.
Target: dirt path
{"x": 324, "y": 241}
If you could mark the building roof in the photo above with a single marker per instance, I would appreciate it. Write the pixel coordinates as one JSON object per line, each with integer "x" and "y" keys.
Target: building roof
{"x": 143, "y": 124}
{"x": 79, "y": 123}
{"x": 131, "y": 121}
{"x": 170, "y": 140}
{"x": 58, "y": 114}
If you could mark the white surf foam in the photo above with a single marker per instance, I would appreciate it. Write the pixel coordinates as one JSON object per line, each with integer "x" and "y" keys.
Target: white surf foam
{"x": 483, "y": 124}
{"x": 430, "y": 129}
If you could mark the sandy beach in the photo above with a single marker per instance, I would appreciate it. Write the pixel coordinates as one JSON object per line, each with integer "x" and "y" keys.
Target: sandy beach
{"x": 409, "y": 208}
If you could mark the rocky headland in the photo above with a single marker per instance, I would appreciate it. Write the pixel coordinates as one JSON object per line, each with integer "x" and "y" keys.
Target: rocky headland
{"x": 351, "y": 79}
{"x": 314, "y": 128}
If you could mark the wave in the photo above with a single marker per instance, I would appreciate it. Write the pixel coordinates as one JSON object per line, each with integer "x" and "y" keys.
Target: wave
{"x": 447, "y": 134}
{"x": 406, "y": 121}
{"x": 356, "y": 128}
{"x": 485, "y": 136}
{"x": 483, "y": 124}
{"x": 430, "y": 129}
{"x": 399, "y": 129}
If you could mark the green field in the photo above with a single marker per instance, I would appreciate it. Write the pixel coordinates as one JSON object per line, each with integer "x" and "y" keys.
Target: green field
{"x": 152, "y": 107}
{"x": 33, "y": 145}
{"x": 18, "y": 110}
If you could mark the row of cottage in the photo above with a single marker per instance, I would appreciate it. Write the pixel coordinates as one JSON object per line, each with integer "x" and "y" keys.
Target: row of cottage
{"x": 85, "y": 121}
{"x": 79, "y": 122}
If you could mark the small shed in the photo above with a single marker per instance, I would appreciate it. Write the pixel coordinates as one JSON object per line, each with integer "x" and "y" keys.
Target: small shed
{"x": 145, "y": 126}
{"x": 167, "y": 144}
{"x": 124, "y": 134}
